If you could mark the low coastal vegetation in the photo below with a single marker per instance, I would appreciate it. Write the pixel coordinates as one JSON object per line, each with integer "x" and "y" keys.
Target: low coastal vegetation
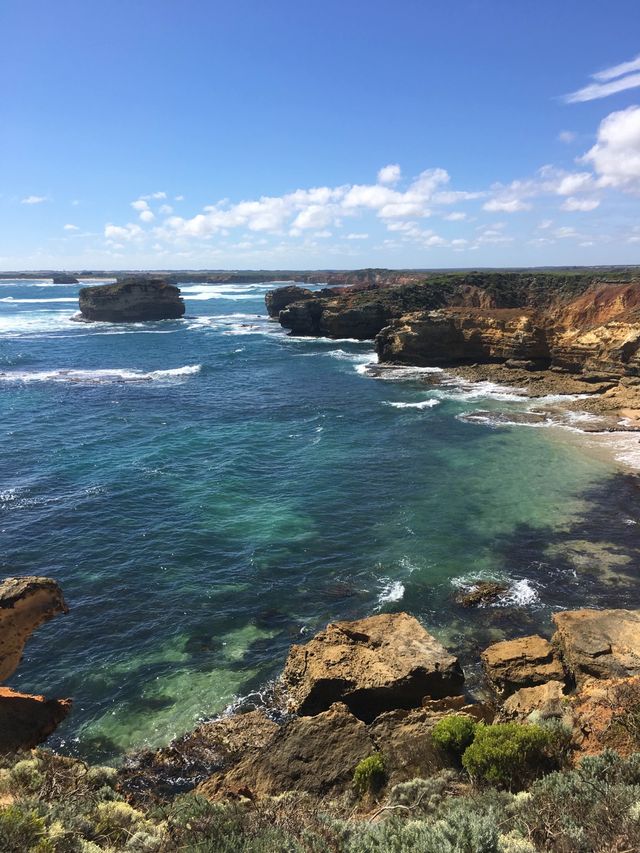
{"x": 52, "y": 804}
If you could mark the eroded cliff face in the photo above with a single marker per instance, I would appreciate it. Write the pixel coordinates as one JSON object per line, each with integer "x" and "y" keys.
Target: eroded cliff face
{"x": 453, "y": 336}
{"x": 599, "y": 332}
{"x": 25, "y": 604}
{"x": 568, "y": 323}
{"x": 131, "y": 300}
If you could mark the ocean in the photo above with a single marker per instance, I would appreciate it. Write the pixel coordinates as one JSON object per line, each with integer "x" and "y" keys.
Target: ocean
{"x": 209, "y": 491}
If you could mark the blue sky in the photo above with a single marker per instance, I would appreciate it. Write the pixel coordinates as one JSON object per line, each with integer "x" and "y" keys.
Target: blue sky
{"x": 247, "y": 134}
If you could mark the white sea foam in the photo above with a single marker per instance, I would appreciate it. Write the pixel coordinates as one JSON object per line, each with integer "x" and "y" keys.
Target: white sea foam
{"x": 495, "y": 420}
{"x": 522, "y": 593}
{"x": 423, "y": 404}
{"x": 99, "y": 376}
{"x": 13, "y": 300}
{"x": 390, "y": 592}
{"x": 391, "y": 373}
{"x": 482, "y": 390}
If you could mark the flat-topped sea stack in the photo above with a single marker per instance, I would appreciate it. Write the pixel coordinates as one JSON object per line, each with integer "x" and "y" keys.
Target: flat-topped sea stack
{"x": 131, "y": 300}
{"x": 63, "y": 278}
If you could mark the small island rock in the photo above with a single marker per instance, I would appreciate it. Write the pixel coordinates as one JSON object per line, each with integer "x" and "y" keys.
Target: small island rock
{"x": 131, "y": 300}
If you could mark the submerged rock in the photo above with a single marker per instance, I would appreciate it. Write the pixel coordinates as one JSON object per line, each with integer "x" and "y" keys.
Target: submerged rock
{"x": 132, "y": 300}
{"x": 599, "y": 643}
{"x": 481, "y": 592}
{"x": 373, "y": 665}
{"x": 525, "y": 662}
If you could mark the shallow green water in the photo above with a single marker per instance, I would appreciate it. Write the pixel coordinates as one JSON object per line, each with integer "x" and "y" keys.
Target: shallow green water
{"x": 226, "y": 490}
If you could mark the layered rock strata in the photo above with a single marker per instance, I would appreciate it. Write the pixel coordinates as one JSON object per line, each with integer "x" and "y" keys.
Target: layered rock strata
{"x": 131, "y": 300}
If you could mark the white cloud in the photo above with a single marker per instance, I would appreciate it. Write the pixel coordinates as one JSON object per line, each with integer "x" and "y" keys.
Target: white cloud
{"x": 574, "y": 183}
{"x": 355, "y": 236}
{"x": 166, "y": 209}
{"x": 34, "y": 199}
{"x": 580, "y": 204}
{"x": 319, "y": 208}
{"x": 390, "y": 174}
{"x": 616, "y": 155}
{"x": 456, "y": 216}
{"x": 618, "y": 70}
{"x": 70, "y": 227}
{"x": 140, "y": 204}
{"x": 566, "y": 136}
{"x": 506, "y": 205}
{"x": 159, "y": 195}
{"x": 178, "y": 198}
{"x": 617, "y": 78}
{"x": 123, "y": 232}
{"x": 147, "y": 216}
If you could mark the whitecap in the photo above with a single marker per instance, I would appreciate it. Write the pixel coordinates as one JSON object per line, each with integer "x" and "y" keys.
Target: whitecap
{"x": 391, "y": 591}
{"x": 15, "y": 301}
{"x": 522, "y": 593}
{"x": 423, "y": 404}
{"x": 100, "y": 376}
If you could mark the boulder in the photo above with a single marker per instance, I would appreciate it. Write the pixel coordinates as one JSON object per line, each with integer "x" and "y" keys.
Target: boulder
{"x": 26, "y": 720}
{"x": 547, "y": 701}
{"x": 278, "y": 299}
{"x": 317, "y": 755}
{"x": 599, "y": 643}
{"x": 25, "y": 603}
{"x": 479, "y": 593}
{"x": 373, "y": 665}
{"x": 525, "y": 662}
{"x": 131, "y": 300}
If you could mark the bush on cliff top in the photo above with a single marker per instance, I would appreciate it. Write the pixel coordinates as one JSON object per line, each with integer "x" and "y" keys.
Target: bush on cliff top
{"x": 454, "y": 733}
{"x": 509, "y": 755}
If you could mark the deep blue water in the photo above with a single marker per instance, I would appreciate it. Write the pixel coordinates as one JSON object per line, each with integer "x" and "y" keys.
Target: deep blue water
{"x": 209, "y": 490}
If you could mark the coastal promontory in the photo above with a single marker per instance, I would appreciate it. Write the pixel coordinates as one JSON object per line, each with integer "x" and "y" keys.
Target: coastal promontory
{"x": 131, "y": 300}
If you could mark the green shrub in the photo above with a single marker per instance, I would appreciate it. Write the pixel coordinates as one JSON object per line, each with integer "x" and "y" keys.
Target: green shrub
{"x": 370, "y": 775}
{"x": 586, "y": 809}
{"x": 21, "y": 830}
{"x": 454, "y": 733}
{"x": 508, "y": 754}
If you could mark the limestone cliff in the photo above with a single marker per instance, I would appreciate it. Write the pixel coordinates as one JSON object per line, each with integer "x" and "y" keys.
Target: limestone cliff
{"x": 25, "y": 604}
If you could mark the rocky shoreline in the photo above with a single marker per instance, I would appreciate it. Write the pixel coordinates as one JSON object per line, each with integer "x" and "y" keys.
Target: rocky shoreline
{"x": 364, "y": 710}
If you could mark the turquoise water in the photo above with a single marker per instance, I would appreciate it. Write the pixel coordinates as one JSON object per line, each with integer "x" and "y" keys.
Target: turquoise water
{"x": 208, "y": 491}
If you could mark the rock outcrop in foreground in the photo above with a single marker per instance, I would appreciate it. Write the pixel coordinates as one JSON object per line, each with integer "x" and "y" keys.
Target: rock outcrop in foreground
{"x": 131, "y": 300}
{"x": 373, "y": 665}
{"x": 25, "y": 604}
{"x": 392, "y": 668}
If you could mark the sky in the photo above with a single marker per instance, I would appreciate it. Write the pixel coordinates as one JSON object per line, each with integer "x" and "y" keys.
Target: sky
{"x": 298, "y": 134}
